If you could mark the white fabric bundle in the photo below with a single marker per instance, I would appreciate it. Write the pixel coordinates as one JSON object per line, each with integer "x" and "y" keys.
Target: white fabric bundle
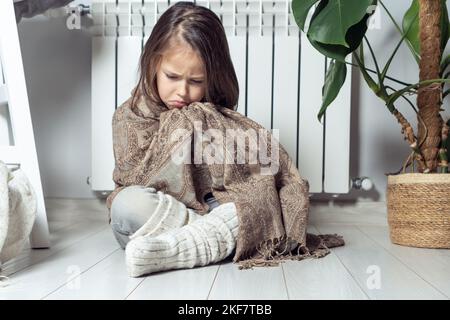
{"x": 17, "y": 211}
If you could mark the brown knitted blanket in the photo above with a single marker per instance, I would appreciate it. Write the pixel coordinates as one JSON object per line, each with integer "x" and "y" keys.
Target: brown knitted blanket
{"x": 187, "y": 153}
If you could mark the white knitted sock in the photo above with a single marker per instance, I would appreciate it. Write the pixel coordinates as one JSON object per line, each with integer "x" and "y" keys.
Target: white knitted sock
{"x": 169, "y": 214}
{"x": 206, "y": 240}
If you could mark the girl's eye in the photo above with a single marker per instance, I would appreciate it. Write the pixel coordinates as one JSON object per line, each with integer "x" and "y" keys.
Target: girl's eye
{"x": 193, "y": 81}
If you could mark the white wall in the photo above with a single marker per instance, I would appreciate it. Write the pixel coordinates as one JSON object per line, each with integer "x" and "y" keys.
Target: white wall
{"x": 57, "y": 67}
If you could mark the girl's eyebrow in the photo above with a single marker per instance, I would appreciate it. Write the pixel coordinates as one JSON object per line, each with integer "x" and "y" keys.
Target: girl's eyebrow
{"x": 176, "y": 74}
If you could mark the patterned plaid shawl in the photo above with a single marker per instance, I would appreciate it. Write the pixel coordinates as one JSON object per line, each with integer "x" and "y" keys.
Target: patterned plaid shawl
{"x": 162, "y": 148}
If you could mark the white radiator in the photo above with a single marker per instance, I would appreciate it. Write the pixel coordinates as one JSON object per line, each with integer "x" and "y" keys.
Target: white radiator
{"x": 280, "y": 81}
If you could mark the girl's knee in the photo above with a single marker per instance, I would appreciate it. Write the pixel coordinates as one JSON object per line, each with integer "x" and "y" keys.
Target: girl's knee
{"x": 132, "y": 207}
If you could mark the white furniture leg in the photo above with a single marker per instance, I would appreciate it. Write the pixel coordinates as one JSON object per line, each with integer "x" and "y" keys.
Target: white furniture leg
{"x": 23, "y": 152}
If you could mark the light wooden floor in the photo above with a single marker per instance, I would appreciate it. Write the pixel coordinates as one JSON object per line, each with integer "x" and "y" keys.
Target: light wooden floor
{"x": 85, "y": 262}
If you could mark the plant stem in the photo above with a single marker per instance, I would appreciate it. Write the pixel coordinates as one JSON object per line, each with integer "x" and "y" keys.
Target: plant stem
{"x": 373, "y": 71}
{"x": 429, "y": 98}
{"x": 443, "y": 164}
{"x": 375, "y": 62}
{"x": 400, "y": 31}
{"x": 388, "y": 63}
{"x": 390, "y": 16}
{"x": 407, "y": 100}
{"x": 445, "y": 93}
{"x": 396, "y": 95}
{"x": 444, "y": 64}
{"x": 408, "y": 132}
{"x": 370, "y": 82}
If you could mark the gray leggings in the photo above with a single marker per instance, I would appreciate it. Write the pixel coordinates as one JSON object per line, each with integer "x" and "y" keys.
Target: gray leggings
{"x": 131, "y": 208}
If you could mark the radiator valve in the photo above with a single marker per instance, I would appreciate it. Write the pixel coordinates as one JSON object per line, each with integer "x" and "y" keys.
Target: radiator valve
{"x": 363, "y": 183}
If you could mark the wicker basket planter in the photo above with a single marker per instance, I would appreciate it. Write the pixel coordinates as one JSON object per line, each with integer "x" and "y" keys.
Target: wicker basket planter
{"x": 418, "y": 208}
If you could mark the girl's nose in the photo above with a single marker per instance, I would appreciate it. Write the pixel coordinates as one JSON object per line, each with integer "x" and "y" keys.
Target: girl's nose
{"x": 183, "y": 89}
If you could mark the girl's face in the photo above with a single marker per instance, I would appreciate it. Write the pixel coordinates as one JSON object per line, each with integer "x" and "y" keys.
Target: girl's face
{"x": 180, "y": 77}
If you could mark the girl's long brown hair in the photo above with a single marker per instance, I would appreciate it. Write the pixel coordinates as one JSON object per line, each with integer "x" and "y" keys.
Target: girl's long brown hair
{"x": 203, "y": 31}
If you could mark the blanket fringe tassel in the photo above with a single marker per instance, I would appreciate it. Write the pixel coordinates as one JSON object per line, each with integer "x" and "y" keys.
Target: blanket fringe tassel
{"x": 272, "y": 252}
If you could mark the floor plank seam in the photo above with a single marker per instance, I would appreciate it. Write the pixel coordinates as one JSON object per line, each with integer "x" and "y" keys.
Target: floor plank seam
{"x": 137, "y": 286}
{"x": 214, "y": 281}
{"x": 53, "y": 253}
{"x": 401, "y": 261}
{"x": 348, "y": 270}
{"x": 87, "y": 269}
{"x": 285, "y": 282}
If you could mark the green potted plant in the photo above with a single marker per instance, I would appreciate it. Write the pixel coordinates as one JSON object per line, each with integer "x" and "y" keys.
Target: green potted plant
{"x": 418, "y": 202}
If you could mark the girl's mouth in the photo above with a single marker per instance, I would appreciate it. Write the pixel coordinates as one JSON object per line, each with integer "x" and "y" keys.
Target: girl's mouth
{"x": 178, "y": 104}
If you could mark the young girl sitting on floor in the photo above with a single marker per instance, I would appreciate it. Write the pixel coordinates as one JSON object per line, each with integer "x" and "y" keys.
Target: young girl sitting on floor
{"x": 185, "y": 60}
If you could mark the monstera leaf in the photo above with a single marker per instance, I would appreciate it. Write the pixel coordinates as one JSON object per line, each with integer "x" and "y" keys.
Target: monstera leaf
{"x": 337, "y": 27}
{"x": 300, "y": 10}
{"x": 334, "y": 80}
